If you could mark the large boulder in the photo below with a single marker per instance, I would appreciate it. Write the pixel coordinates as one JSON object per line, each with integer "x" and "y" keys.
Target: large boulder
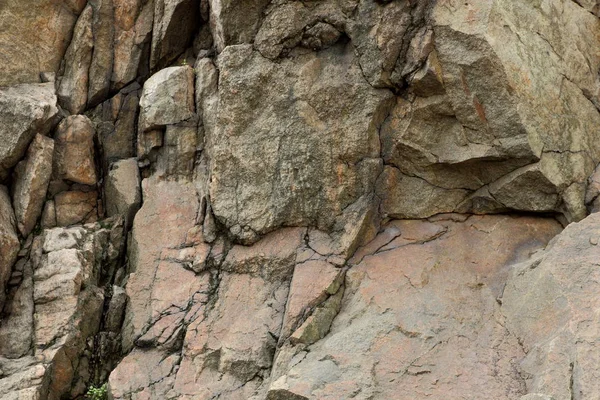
{"x": 74, "y": 151}
{"x": 293, "y": 143}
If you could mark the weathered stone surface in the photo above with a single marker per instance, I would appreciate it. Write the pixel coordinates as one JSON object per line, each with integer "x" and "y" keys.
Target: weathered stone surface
{"x": 175, "y": 22}
{"x": 100, "y": 72}
{"x": 41, "y": 28}
{"x": 133, "y": 28}
{"x": 167, "y": 98}
{"x": 420, "y": 316}
{"x": 32, "y": 176}
{"x": 24, "y": 111}
{"x": 75, "y": 207}
{"x": 233, "y": 23}
{"x": 73, "y": 88}
{"x": 280, "y": 127}
{"x": 55, "y": 314}
{"x": 9, "y": 242}
{"x": 74, "y": 150}
{"x": 122, "y": 190}
{"x": 153, "y": 287}
{"x": 549, "y": 304}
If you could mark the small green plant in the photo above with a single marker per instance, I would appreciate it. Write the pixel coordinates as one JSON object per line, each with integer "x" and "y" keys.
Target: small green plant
{"x": 96, "y": 393}
{"x": 184, "y": 62}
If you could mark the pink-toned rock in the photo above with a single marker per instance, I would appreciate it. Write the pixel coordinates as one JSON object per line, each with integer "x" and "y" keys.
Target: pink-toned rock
{"x": 313, "y": 282}
{"x": 32, "y": 176}
{"x": 421, "y": 317}
{"x": 74, "y": 150}
{"x": 550, "y": 303}
{"x": 158, "y": 282}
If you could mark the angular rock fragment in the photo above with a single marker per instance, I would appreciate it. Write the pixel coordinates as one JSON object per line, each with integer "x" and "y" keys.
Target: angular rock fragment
{"x": 167, "y": 98}
{"x": 25, "y": 110}
{"x": 175, "y": 22}
{"x": 75, "y": 207}
{"x": 74, "y": 150}
{"x": 122, "y": 190}
{"x": 32, "y": 176}
{"x": 9, "y": 242}
{"x": 133, "y": 28}
{"x": 100, "y": 70}
{"x": 73, "y": 88}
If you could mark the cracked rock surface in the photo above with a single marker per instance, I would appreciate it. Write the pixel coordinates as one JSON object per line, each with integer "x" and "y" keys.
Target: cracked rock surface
{"x": 281, "y": 199}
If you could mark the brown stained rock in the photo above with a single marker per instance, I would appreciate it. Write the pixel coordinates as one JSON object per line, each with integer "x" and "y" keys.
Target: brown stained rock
{"x": 25, "y": 110}
{"x": 550, "y": 303}
{"x": 74, "y": 150}
{"x": 9, "y": 242}
{"x": 39, "y": 27}
{"x": 122, "y": 190}
{"x": 420, "y": 317}
{"x": 75, "y": 207}
{"x": 100, "y": 71}
{"x": 133, "y": 28}
{"x": 32, "y": 176}
{"x": 175, "y": 23}
{"x": 48, "y": 215}
{"x": 73, "y": 87}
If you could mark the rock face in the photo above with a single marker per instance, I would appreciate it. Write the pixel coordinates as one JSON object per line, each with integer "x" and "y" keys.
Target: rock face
{"x": 268, "y": 200}
{"x": 41, "y": 28}
{"x": 420, "y": 315}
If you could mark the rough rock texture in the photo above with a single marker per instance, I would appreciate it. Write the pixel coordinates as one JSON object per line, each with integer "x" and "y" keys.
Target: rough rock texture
{"x": 9, "y": 242}
{"x": 122, "y": 191}
{"x": 268, "y": 200}
{"x": 24, "y": 111}
{"x": 72, "y": 91}
{"x": 56, "y": 310}
{"x": 74, "y": 150}
{"x": 40, "y": 28}
{"x": 549, "y": 303}
{"x": 321, "y": 125}
{"x": 420, "y": 316}
{"x": 32, "y": 176}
